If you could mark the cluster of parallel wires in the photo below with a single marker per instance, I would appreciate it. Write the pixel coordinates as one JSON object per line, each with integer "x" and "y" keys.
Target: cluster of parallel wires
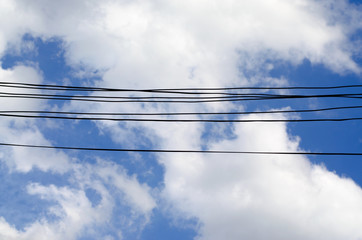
{"x": 174, "y": 96}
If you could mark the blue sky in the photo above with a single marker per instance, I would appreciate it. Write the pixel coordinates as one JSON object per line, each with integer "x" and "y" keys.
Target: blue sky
{"x": 54, "y": 194}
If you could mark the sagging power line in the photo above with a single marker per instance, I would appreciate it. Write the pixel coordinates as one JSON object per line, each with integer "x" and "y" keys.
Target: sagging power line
{"x": 165, "y": 90}
{"x": 153, "y": 99}
{"x": 183, "y": 120}
{"x": 181, "y": 113}
{"x": 206, "y": 95}
{"x": 182, "y": 151}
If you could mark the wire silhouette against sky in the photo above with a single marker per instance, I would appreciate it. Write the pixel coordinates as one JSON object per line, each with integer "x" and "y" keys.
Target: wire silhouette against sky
{"x": 183, "y": 113}
{"x": 173, "y": 99}
{"x": 183, "y": 120}
{"x": 164, "y": 90}
{"x": 192, "y": 97}
{"x": 181, "y": 151}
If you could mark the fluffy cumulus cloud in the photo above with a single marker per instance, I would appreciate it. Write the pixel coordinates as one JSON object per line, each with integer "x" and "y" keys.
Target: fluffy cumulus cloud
{"x": 76, "y": 214}
{"x": 259, "y": 197}
{"x": 168, "y": 40}
{"x": 181, "y": 44}
{"x": 13, "y": 129}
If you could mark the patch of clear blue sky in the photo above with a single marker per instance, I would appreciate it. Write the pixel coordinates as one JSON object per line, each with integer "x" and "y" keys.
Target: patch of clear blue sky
{"x": 175, "y": 231}
{"x": 356, "y": 1}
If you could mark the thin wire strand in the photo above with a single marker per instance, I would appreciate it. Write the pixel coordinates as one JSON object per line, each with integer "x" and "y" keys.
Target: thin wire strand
{"x": 184, "y": 113}
{"x": 183, "y": 120}
{"x": 181, "y": 89}
{"x": 182, "y": 151}
{"x": 246, "y": 95}
{"x": 236, "y": 99}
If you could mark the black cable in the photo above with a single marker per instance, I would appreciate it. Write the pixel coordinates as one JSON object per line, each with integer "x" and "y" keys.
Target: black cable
{"x": 246, "y": 95}
{"x": 182, "y": 120}
{"x": 165, "y": 90}
{"x": 180, "y": 89}
{"x": 79, "y": 89}
{"x": 183, "y": 151}
{"x": 88, "y": 89}
{"x": 184, "y": 113}
{"x": 89, "y": 98}
{"x": 129, "y": 101}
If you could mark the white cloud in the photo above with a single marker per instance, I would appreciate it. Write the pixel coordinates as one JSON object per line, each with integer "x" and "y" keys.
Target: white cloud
{"x": 5, "y": 228}
{"x": 76, "y": 215}
{"x": 25, "y": 159}
{"x": 22, "y": 74}
{"x": 21, "y": 21}
{"x": 136, "y": 194}
{"x": 166, "y": 39}
{"x": 23, "y": 130}
{"x": 259, "y": 197}
{"x": 74, "y": 210}
{"x": 205, "y": 43}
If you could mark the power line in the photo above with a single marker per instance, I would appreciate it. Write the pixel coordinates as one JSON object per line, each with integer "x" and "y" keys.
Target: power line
{"x": 170, "y": 99}
{"x": 239, "y": 95}
{"x": 183, "y": 113}
{"x": 65, "y": 87}
{"x": 182, "y": 151}
{"x": 214, "y": 91}
{"x": 183, "y": 120}
{"x": 252, "y": 95}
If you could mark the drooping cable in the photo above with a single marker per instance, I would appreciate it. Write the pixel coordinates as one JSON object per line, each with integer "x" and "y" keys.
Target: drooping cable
{"x": 82, "y": 88}
{"x": 182, "y": 151}
{"x": 115, "y": 99}
{"x": 182, "y": 120}
{"x": 180, "y": 113}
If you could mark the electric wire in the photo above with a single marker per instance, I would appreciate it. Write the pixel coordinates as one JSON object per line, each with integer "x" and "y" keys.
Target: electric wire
{"x": 182, "y": 151}
{"x": 181, "y": 113}
{"x": 114, "y": 99}
{"x": 214, "y": 91}
{"x": 178, "y": 89}
{"x": 246, "y": 95}
{"x": 231, "y": 96}
{"x": 137, "y": 97}
{"x": 183, "y": 120}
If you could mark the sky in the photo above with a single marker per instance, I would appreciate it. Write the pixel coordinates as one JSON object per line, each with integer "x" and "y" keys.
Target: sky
{"x": 70, "y": 194}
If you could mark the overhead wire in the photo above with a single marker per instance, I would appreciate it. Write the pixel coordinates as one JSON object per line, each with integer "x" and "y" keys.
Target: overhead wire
{"x": 181, "y": 113}
{"x": 229, "y": 96}
{"x": 182, "y": 151}
{"x": 183, "y": 120}
{"x": 58, "y": 87}
{"x": 131, "y": 99}
{"x": 172, "y": 99}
